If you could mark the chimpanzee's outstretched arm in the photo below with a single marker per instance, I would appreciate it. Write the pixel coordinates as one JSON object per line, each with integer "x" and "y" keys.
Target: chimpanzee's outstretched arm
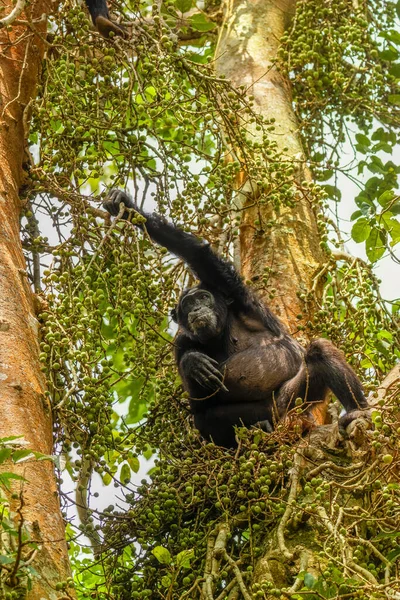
{"x": 210, "y": 268}
{"x": 206, "y": 265}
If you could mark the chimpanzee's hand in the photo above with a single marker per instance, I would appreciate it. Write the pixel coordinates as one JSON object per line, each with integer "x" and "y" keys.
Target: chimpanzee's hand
{"x": 114, "y": 199}
{"x": 203, "y": 370}
{"x": 108, "y": 29}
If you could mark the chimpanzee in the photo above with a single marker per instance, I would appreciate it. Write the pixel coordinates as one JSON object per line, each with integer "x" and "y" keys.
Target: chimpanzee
{"x": 236, "y": 359}
{"x": 101, "y": 19}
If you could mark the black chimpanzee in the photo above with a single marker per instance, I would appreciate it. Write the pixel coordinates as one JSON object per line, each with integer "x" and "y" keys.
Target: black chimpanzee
{"x": 237, "y": 361}
{"x": 101, "y": 19}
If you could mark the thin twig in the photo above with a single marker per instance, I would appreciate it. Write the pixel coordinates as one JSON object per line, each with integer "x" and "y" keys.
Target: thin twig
{"x": 238, "y": 575}
{"x": 232, "y": 584}
{"x": 289, "y": 508}
{"x": 14, "y": 14}
{"x": 332, "y": 466}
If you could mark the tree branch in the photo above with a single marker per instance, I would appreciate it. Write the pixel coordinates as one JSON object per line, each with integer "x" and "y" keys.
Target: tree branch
{"x": 14, "y": 14}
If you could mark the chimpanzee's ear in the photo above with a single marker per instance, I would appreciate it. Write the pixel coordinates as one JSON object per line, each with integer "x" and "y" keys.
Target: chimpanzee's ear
{"x": 174, "y": 314}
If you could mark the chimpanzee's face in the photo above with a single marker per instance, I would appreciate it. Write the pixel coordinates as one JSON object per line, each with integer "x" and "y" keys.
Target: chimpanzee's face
{"x": 200, "y": 313}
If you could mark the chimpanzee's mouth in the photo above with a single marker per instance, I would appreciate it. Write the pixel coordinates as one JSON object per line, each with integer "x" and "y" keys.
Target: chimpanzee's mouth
{"x": 199, "y": 321}
{"x": 203, "y": 320}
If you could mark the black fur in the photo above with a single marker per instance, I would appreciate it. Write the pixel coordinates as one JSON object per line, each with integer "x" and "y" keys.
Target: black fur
{"x": 236, "y": 359}
{"x": 98, "y": 10}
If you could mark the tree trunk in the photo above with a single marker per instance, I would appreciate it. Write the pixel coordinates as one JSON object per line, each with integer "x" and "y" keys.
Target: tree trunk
{"x": 25, "y": 409}
{"x": 246, "y": 53}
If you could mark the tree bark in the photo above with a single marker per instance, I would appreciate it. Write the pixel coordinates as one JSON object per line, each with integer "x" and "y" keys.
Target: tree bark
{"x": 25, "y": 409}
{"x": 246, "y": 55}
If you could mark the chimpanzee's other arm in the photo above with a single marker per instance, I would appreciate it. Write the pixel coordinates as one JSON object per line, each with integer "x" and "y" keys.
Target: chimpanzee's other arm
{"x": 101, "y": 19}
{"x": 199, "y": 372}
{"x": 208, "y": 267}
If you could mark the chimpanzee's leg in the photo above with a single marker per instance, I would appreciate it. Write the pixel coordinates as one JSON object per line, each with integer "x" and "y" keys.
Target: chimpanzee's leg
{"x": 324, "y": 367}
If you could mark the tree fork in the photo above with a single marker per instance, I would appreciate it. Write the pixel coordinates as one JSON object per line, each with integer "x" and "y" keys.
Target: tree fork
{"x": 25, "y": 409}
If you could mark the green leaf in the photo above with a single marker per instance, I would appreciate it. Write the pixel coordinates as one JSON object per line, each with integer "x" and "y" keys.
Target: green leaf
{"x": 125, "y": 473}
{"x": 360, "y": 230}
{"x": 151, "y": 92}
{"x": 33, "y": 571}
{"x": 309, "y": 580}
{"x": 183, "y": 5}
{"x": 393, "y": 554}
{"x": 363, "y": 139}
{"x": 394, "y": 99}
{"x": 395, "y": 70}
{"x": 6, "y": 560}
{"x": 107, "y": 479}
{"x": 199, "y": 59}
{"x": 162, "y": 555}
{"x": 325, "y": 175}
{"x": 166, "y": 581}
{"x": 200, "y": 23}
{"x": 361, "y": 148}
{"x": 382, "y": 146}
{"x": 5, "y": 479}
{"x": 395, "y": 208}
{"x": 376, "y": 166}
{"x": 134, "y": 463}
{"x": 40, "y": 456}
{"x": 386, "y": 198}
{"x": 183, "y": 558}
{"x": 383, "y": 334}
{"x": 361, "y": 166}
{"x": 392, "y": 226}
{"x": 393, "y": 36}
{"x": 385, "y": 535}
{"x": 333, "y": 192}
{"x": 4, "y": 454}
{"x": 148, "y": 453}
{"x": 390, "y": 54}
{"x": 34, "y": 138}
{"x": 375, "y": 245}
{"x": 21, "y": 455}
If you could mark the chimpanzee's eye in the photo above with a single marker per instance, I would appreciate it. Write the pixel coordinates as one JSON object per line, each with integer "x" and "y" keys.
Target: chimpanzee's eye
{"x": 186, "y": 302}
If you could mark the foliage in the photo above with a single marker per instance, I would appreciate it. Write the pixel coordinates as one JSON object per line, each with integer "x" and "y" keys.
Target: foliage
{"x": 345, "y": 70}
{"x": 344, "y": 64}
{"x": 150, "y": 115}
{"x": 17, "y": 546}
{"x": 202, "y": 498}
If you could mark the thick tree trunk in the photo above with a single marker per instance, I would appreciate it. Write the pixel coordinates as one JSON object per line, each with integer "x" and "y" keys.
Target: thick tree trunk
{"x": 25, "y": 411}
{"x": 246, "y": 53}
